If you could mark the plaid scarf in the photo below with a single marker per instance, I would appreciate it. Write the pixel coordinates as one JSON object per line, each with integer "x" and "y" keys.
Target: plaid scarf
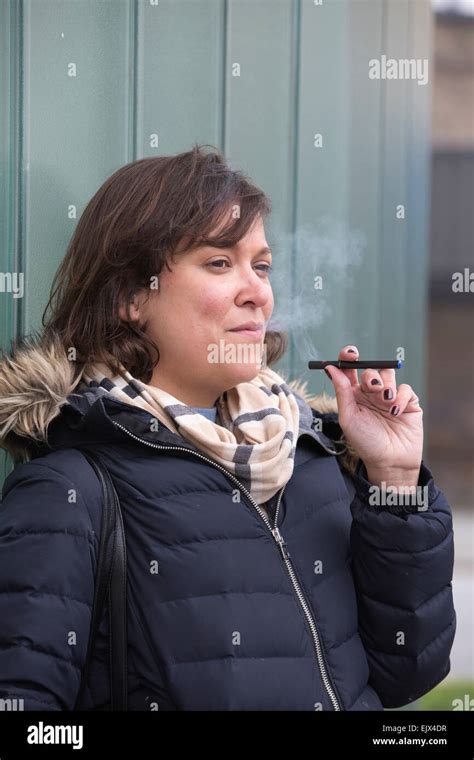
{"x": 257, "y": 434}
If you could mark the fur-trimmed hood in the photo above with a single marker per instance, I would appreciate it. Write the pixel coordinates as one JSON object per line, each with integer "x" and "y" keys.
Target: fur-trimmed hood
{"x": 37, "y": 380}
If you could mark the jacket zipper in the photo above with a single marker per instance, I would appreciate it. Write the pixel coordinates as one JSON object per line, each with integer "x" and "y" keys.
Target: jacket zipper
{"x": 279, "y": 540}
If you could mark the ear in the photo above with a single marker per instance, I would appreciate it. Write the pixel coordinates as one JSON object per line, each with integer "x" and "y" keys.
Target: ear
{"x": 134, "y": 311}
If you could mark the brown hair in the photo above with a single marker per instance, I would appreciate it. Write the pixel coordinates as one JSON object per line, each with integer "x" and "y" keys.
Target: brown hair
{"x": 129, "y": 230}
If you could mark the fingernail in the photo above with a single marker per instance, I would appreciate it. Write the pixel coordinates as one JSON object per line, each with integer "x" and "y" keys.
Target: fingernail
{"x": 351, "y": 351}
{"x": 388, "y": 394}
{"x": 375, "y": 382}
{"x": 327, "y": 373}
{"x": 394, "y": 410}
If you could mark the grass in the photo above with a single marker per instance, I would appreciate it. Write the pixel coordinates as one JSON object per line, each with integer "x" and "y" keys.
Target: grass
{"x": 444, "y": 697}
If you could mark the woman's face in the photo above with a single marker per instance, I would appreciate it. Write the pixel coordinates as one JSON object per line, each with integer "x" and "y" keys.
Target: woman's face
{"x": 208, "y": 293}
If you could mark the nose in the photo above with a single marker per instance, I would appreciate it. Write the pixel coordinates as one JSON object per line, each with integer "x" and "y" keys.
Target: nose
{"x": 253, "y": 288}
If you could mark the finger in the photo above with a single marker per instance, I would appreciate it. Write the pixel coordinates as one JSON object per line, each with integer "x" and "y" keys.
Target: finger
{"x": 370, "y": 381}
{"x": 406, "y": 400}
{"x": 346, "y": 404}
{"x": 350, "y": 354}
{"x": 389, "y": 381}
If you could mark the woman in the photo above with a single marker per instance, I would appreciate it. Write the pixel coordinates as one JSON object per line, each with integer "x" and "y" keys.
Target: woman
{"x": 267, "y": 570}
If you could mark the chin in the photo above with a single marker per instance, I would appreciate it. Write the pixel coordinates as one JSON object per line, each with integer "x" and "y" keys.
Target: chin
{"x": 243, "y": 373}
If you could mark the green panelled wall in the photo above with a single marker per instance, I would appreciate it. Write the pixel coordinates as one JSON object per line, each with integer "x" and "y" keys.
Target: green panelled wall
{"x": 155, "y": 77}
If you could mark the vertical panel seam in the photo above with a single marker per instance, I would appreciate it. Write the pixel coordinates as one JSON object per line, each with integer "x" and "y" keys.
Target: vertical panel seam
{"x": 410, "y": 171}
{"x": 17, "y": 257}
{"x": 408, "y": 85}
{"x": 132, "y": 81}
{"x": 382, "y": 199}
{"x": 225, "y": 17}
{"x": 296, "y": 53}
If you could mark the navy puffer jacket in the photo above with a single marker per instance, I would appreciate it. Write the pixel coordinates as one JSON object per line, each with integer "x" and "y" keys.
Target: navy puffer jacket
{"x": 359, "y": 616}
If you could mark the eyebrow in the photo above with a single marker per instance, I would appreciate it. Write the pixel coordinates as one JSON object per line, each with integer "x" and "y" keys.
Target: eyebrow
{"x": 265, "y": 249}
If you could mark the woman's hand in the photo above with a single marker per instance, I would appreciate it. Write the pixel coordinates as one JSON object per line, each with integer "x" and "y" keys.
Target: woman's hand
{"x": 383, "y": 423}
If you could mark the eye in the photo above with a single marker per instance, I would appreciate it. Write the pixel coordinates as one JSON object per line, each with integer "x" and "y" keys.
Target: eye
{"x": 218, "y": 261}
{"x": 267, "y": 268}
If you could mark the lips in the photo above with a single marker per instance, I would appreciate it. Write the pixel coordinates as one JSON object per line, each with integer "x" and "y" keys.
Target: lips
{"x": 250, "y": 334}
{"x": 254, "y": 334}
{"x": 248, "y": 327}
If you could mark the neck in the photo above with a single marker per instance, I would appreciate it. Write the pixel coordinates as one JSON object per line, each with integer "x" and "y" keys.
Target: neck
{"x": 190, "y": 396}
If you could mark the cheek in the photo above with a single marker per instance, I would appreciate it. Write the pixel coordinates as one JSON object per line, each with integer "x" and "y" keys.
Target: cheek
{"x": 211, "y": 305}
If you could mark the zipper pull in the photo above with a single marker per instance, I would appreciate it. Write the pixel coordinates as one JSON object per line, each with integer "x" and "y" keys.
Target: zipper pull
{"x": 281, "y": 543}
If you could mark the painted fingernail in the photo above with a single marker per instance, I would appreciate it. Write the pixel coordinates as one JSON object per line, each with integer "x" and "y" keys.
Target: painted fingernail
{"x": 394, "y": 410}
{"x": 327, "y": 373}
{"x": 388, "y": 394}
{"x": 351, "y": 351}
{"x": 375, "y": 382}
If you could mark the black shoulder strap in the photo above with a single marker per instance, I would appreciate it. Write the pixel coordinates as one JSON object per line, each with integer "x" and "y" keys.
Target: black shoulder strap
{"x": 111, "y": 583}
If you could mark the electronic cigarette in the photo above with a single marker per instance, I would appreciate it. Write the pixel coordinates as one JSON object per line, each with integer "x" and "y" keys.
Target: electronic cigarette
{"x": 363, "y": 364}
